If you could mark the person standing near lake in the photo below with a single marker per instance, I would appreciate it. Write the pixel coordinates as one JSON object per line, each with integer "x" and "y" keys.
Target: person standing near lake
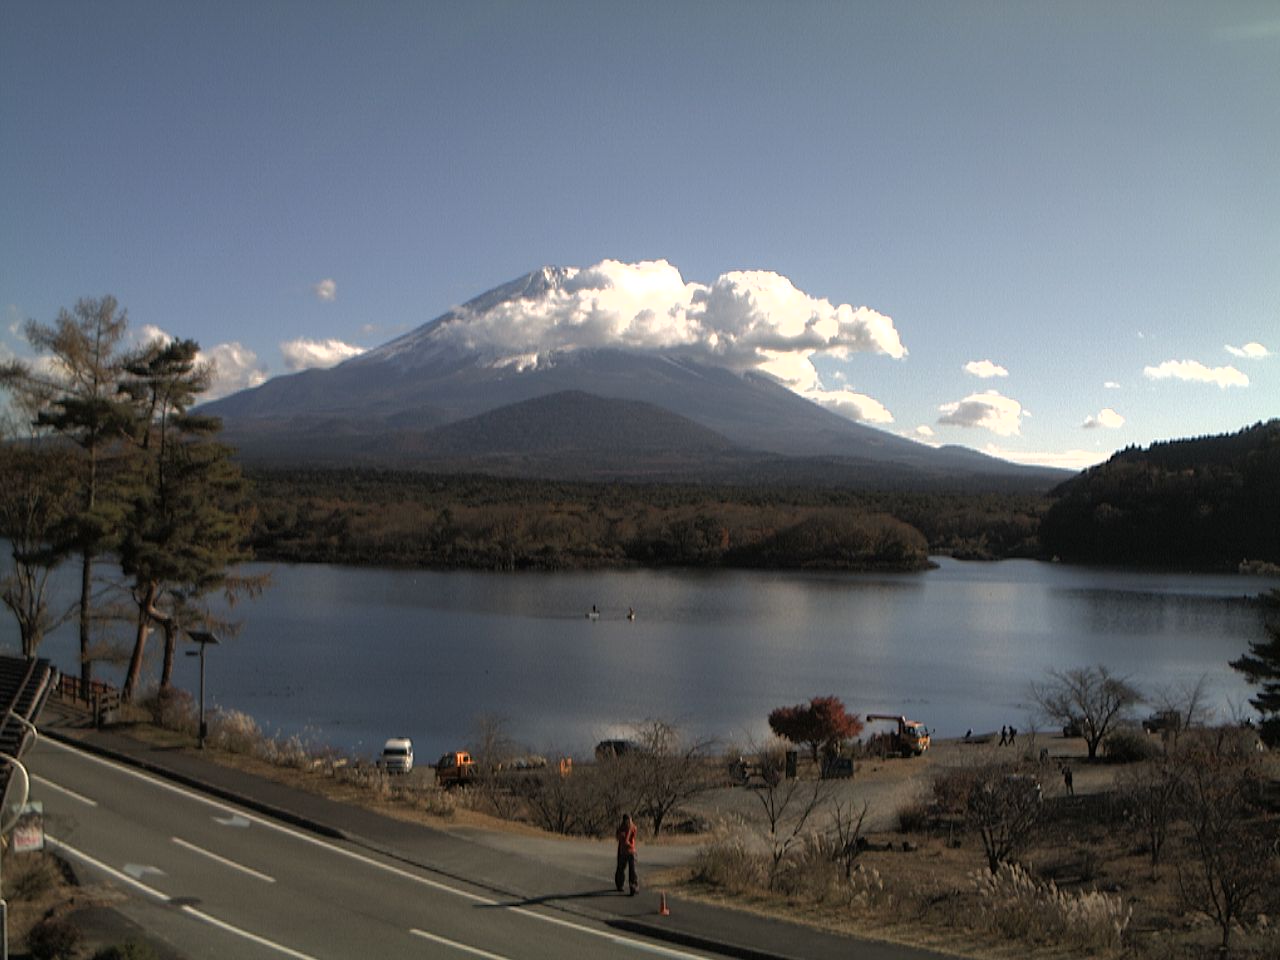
{"x": 626, "y": 855}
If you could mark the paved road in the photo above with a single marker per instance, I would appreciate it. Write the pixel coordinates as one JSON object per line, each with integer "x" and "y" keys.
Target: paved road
{"x": 217, "y": 881}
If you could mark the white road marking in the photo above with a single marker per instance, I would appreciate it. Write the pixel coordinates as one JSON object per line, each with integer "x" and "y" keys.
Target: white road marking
{"x": 61, "y": 789}
{"x": 140, "y": 870}
{"x": 270, "y": 944}
{"x": 233, "y": 821}
{"x": 611, "y": 937}
{"x": 222, "y": 860}
{"x": 122, "y": 877}
{"x": 378, "y": 865}
{"x": 474, "y": 951}
{"x": 165, "y": 898}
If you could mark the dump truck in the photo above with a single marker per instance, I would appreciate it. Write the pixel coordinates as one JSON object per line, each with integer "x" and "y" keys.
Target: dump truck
{"x": 910, "y": 739}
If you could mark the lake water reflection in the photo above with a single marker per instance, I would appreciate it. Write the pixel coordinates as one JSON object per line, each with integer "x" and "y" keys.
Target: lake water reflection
{"x": 351, "y": 656}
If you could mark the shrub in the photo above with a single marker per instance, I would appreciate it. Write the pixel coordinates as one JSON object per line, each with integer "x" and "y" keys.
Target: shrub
{"x": 1129, "y": 746}
{"x": 809, "y": 873}
{"x": 173, "y": 709}
{"x": 1013, "y": 904}
{"x": 290, "y": 752}
{"x": 235, "y": 732}
{"x": 913, "y": 817}
{"x": 868, "y": 893}
{"x": 726, "y": 863}
{"x": 28, "y": 876}
{"x": 53, "y": 938}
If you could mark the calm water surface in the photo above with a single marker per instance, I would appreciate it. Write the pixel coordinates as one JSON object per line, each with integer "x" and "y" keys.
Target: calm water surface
{"x": 348, "y": 656}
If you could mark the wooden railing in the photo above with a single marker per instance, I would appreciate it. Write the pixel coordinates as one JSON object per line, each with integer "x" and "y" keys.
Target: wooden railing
{"x": 95, "y": 695}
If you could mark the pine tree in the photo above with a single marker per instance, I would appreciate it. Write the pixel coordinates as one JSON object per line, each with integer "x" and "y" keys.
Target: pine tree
{"x": 1261, "y": 666}
{"x": 187, "y": 521}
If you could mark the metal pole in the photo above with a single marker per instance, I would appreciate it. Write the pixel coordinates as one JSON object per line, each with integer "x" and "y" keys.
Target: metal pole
{"x": 203, "y": 729}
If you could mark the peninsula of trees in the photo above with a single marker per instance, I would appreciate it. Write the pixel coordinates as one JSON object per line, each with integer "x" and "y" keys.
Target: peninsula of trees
{"x": 1206, "y": 503}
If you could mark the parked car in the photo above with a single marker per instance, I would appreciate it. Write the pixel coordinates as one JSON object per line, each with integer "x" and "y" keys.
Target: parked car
{"x": 397, "y": 755}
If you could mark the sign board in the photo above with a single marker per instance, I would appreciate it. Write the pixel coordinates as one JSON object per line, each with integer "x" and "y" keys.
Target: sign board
{"x": 28, "y": 832}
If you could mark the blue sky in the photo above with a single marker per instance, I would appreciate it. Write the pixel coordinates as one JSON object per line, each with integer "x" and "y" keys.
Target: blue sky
{"x": 1068, "y": 212}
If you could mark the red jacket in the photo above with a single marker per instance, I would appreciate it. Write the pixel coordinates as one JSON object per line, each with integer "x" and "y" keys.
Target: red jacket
{"x": 627, "y": 838}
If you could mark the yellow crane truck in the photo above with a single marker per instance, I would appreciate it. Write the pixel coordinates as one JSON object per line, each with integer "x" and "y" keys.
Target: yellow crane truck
{"x": 910, "y": 739}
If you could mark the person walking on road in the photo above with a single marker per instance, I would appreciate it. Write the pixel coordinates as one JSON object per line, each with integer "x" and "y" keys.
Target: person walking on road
{"x": 626, "y": 855}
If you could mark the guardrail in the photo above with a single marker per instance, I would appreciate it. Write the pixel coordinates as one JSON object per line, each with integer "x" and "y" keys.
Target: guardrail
{"x": 96, "y": 695}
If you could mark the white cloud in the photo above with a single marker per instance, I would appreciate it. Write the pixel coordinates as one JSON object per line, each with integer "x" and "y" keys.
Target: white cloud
{"x": 1193, "y": 371}
{"x": 924, "y": 430}
{"x": 1107, "y": 418}
{"x": 235, "y": 367}
{"x": 1111, "y": 385}
{"x": 985, "y": 369}
{"x": 149, "y": 333}
{"x": 847, "y": 403}
{"x": 1250, "y": 351}
{"x": 990, "y": 410}
{"x": 1063, "y": 459}
{"x": 303, "y": 354}
{"x": 326, "y": 290}
{"x": 745, "y": 320}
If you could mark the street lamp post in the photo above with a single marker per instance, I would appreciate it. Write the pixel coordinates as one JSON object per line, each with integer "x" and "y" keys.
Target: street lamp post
{"x": 204, "y": 638}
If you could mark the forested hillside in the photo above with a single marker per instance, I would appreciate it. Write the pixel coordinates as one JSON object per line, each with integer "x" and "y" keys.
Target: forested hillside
{"x": 426, "y": 520}
{"x": 1207, "y": 503}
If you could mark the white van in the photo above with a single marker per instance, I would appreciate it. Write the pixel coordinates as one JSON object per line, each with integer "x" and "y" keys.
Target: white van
{"x": 397, "y": 755}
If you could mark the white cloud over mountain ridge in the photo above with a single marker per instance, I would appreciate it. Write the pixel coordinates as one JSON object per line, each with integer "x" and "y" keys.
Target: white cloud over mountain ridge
{"x": 745, "y": 320}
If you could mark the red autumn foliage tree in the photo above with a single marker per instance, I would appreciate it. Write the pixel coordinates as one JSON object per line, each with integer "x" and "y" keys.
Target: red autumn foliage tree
{"x": 822, "y": 723}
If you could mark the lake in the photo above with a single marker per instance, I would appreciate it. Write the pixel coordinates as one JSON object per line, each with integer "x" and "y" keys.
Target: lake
{"x": 350, "y": 656}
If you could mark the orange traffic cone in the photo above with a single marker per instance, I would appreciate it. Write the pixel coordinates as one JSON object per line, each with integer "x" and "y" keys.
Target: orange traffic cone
{"x": 662, "y": 905}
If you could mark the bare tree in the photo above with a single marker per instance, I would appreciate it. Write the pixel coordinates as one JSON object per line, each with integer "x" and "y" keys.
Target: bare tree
{"x": 846, "y": 832}
{"x": 786, "y": 804}
{"x": 1188, "y": 702}
{"x": 1234, "y": 851}
{"x": 997, "y": 800}
{"x": 668, "y": 770}
{"x": 1152, "y": 795}
{"x": 76, "y": 395}
{"x": 1088, "y": 696}
{"x": 37, "y": 499}
{"x": 493, "y": 750}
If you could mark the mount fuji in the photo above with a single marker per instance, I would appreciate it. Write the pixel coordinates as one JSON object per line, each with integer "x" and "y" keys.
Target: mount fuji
{"x": 455, "y": 394}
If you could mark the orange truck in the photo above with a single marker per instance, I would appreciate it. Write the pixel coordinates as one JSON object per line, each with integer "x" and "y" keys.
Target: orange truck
{"x": 910, "y": 739}
{"x": 455, "y": 769}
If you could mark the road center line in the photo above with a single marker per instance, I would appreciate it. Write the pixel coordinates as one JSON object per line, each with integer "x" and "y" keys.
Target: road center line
{"x": 222, "y": 860}
{"x": 165, "y": 898}
{"x": 474, "y": 951}
{"x": 61, "y": 789}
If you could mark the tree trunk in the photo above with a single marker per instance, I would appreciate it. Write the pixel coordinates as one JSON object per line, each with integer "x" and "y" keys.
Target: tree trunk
{"x": 170, "y": 650}
{"x": 134, "y": 675}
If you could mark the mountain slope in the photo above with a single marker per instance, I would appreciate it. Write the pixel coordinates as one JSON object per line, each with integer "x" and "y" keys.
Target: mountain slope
{"x": 376, "y": 407}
